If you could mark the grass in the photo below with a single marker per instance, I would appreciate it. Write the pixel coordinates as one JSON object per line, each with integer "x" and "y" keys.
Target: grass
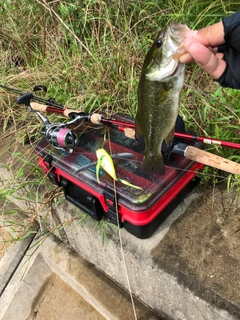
{"x": 90, "y": 58}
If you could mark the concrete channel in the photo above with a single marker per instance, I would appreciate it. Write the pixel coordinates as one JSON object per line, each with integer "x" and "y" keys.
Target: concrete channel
{"x": 53, "y": 282}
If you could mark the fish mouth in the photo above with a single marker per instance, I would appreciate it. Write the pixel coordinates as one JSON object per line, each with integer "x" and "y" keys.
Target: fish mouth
{"x": 179, "y": 52}
{"x": 169, "y": 69}
{"x": 178, "y": 69}
{"x": 170, "y": 66}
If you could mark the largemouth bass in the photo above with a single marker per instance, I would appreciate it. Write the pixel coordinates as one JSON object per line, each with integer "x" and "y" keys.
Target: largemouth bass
{"x": 159, "y": 92}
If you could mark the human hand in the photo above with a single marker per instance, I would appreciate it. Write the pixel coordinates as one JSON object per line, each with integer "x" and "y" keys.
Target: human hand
{"x": 201, "y": 47}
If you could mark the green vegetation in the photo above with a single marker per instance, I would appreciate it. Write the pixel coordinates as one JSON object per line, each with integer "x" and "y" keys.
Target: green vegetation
{"x": 89, "y": 54}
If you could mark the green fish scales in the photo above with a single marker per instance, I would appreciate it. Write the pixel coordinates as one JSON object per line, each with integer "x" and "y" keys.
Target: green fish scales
{"x": 159, "y": 91}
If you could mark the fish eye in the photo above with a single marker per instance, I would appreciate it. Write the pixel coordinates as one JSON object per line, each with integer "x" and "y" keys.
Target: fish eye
{"x": 159, "y": 43}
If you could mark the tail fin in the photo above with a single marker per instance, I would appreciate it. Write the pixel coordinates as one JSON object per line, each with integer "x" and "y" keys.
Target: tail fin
{"x": 153, "y": 163}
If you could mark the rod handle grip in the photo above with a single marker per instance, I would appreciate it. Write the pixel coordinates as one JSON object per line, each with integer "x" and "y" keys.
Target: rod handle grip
{"x": 43, "y": 108}
{"x": 95, "y": 118}
{"x": 66, "y": 112}
{"x": 212, "y": 160}
{"x": 38, "y": 106}
{"x": 129, "y": 133}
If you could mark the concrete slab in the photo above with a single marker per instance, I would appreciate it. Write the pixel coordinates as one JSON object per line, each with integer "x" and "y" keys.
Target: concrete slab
{"x": 53, "y": 282}
{"x": 182, "y": 271}
{"x": 10, "y": 261}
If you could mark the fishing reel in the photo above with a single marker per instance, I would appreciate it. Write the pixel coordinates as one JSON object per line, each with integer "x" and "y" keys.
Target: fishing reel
{"x": 57, "y": 135}
{"x": 61, "y": 137}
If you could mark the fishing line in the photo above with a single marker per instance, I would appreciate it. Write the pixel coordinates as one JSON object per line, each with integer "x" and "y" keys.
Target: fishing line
{"x": 179, "y": 169}
{"x": 207, "y": 174}
{"x": 120, "y": 240}
{"x": 122, "y": 252}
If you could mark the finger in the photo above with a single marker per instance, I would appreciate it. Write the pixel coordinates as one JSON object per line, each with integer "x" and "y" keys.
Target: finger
{"x": 212, "y": 36}
{"x": 206, "y": 59}
{"x": 186, "y": 58}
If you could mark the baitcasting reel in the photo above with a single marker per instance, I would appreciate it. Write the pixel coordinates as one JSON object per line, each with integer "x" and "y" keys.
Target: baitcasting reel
{"x": 57, "y": 134}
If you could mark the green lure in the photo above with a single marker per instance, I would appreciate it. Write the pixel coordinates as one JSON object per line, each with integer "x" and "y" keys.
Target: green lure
{"x": 105, "y": 161}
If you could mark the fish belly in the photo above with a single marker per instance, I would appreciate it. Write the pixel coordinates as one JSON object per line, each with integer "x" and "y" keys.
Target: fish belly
{"x": 156, "y": 117}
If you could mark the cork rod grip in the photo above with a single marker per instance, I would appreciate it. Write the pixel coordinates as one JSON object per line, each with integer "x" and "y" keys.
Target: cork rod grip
{"x": 42, "y": 108}
{"x": 38, "y": 106}
{"x": 212, "y": 160}
{"x": 67, "y": 111}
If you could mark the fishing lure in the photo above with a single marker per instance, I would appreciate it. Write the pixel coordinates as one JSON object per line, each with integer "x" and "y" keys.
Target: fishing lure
{"x": 105, "y": 161}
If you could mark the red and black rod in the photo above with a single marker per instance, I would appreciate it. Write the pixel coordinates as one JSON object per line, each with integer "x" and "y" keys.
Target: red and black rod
{"x": 188, "y": 152}
{"x": 205, "y": 140}
{"x": 128, "y": 127}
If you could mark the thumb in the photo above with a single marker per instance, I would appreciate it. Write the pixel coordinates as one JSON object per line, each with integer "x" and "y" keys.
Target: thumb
{"x": 204, "y": 57}
{"x": 212, "y": 36}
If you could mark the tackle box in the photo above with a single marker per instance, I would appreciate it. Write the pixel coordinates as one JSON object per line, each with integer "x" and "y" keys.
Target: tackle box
{"x": 139, "y": 211}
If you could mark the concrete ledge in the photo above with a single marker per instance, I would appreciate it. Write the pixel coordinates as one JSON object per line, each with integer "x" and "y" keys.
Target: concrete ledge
{"x": 30, "y": 293}
{"x": 155, "y": 277}
{"x": 12, "y": 249}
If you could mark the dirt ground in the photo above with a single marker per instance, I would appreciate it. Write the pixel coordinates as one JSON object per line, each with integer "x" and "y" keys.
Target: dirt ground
{"x": 11, "y": 225}
{"x": 203, "y": 246}
{"x": 4, "y": 240}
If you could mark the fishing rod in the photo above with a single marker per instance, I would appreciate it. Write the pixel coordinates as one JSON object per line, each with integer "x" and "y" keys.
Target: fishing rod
{"x": 128, "y": 127}
{"x": 125, "y": 126}
{"x": 58, "y": 136}
{"x": 189, "y": 152}
{"x": 95, "y": 118}
{"x": 50, "y": 102}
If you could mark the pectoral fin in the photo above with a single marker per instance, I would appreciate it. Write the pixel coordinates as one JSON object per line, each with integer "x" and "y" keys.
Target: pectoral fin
{"x": 138, "y": 130}
{"x": 169, "y": 137}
